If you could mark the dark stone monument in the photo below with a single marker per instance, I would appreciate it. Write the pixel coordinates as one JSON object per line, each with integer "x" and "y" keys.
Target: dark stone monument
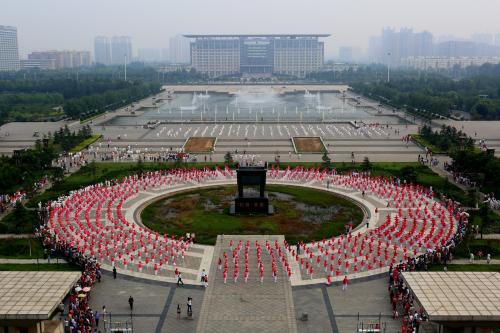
{"x": 251, "y": 201}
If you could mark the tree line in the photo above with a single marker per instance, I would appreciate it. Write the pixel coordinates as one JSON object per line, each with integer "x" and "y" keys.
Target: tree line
{"x": 26, "y": 166}
{"x": 427, "y": 94}
{"x": 448, "y": 138}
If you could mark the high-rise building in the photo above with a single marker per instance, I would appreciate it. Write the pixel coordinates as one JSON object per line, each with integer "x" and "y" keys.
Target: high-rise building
{"x": 179, "y": 50}
{"x": 497, "y": 39}
{"x": 9, "y": 51}
{"x": 60, "y": 59}
{"x": 482, "y": 38}
{"x": 423, "y": 44}
{"x": 38, "y": 63}
{"x": 219, "y": 55}
{"x": 375, "y": 49}
{"x": 102, "y": 50}
{"x": 121, "y": 50}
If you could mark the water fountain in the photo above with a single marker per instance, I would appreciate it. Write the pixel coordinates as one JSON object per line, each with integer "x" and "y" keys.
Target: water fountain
{"x": 251, "y": 103}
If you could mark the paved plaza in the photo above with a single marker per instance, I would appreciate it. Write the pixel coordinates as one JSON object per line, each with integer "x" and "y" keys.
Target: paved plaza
{"x": 233, "y": 309}
{"x": 265, "y": 306}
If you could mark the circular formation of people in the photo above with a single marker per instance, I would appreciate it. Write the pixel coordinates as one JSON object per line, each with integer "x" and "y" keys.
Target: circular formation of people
{"x": 402, "y": 221}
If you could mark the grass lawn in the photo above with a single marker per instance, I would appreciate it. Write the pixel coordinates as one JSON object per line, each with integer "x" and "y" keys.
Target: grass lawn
{"x": 40, "y": 267}
{"x": 20, "y": 248}
{"x": 491, "y": 246}
{"x": 300, "y": 214}
{"x": 19, "y": 221}
{"x": 85, "y": 143}
{"x": 435, "y": 149}
{"x": 466, "y": 268}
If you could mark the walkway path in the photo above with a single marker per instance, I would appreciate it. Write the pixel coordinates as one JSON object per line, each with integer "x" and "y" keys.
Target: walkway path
{"x": 33, "y": 261}
{"x": 247, "y": 307}
{"x": 476, "y": 262}
{"x": 488, "y": 236}
{"x": 16, "y": 236}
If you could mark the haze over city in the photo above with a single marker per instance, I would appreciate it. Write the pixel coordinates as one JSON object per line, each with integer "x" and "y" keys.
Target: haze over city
{"x": 61, "y": 24}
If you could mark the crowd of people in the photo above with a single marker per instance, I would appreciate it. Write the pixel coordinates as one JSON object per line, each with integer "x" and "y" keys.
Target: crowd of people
{"x": 79, "y": 317}
{"x": 69, "y": 161}
{"x": 400, "y": 296}
{"x": 428, "y": 160}
{"x": 11, "y": 200}
{"x": 491, "y": 201}
{"x": 131, "y": 153}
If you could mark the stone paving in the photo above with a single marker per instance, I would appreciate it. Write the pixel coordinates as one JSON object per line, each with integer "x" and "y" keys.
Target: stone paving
{"x": 155, "y": 303}
{"x": 330, "y": 309}
{"x": 235, "y": 309}
{"x": 247, "y": 307}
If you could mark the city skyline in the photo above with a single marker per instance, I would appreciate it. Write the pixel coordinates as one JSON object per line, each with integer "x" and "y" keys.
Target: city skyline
{"x": 148, "y": 28}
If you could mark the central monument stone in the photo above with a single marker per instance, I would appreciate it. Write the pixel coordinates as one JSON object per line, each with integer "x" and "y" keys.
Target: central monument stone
{"x": 248, "y": 200}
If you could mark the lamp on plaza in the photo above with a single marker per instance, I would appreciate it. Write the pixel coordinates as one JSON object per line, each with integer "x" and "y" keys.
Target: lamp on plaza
{"x": 388, "y": 67}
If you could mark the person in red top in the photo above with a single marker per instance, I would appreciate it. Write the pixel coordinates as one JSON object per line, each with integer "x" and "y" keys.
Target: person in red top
{"x": 345, "y": 282}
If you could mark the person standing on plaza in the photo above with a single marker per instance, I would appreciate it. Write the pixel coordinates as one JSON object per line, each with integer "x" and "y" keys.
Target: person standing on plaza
{"x": 190, "y": 306}
{"x": 345, "y": 282}
{"x": 131, "y": 302}
{"x": 97, "y": 316}
{"x": 202, "y": 278}
{"x": 114, "y": 272}
{"x": 179, "y": 279}
{"x": 488, "y": 258}
{"x": 178, "y": 311}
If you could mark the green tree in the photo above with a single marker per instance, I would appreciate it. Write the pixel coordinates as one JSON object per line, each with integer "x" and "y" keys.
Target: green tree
{"x": 366, "y": 165}
{"x": 228, "y": 158}
{"x": 326, "y": 160}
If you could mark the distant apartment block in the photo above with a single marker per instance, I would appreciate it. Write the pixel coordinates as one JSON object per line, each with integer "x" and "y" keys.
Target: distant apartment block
{"x": 58, "y": 59}
{"x": 445, "y": 63}
{"x": 9, "y": 51}
{"x": 121, "y": 50}
{"x": 102, "y": 50}
{"x": 179, "y": 50}
{"x": 282, "y": 54}
{"x": 38, "y": 63}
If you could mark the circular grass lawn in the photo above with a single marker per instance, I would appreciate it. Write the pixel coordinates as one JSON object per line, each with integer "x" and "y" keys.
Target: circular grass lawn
{"x": 299, "y": 214}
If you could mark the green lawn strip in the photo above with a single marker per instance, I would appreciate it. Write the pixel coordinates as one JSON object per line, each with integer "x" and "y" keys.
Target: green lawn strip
{"x": 491, "y": 246}
{"x": 39, "y": 267}
{"x": 466, "y": 268}
{"x": 19, "y": 248}
{"x": 89, "y": 119}
{"x": 19, "y": 221}
{"x": 419, "y": 139}
{"x": 85, "y": 143}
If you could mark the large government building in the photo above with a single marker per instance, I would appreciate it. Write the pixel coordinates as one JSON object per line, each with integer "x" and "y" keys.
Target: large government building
{"x": 220, "y": 55}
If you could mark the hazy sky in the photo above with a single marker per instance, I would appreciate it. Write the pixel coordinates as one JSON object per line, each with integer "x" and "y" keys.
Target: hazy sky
{"x": 72, "y": 24}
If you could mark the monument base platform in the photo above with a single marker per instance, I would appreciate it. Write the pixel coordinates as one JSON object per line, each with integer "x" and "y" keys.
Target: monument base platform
{"x": 251, "y": 205}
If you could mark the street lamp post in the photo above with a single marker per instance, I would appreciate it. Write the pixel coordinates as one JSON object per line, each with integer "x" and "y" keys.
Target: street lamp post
{"x": 125, "y": 68}
{"x": 388, "y": 67}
